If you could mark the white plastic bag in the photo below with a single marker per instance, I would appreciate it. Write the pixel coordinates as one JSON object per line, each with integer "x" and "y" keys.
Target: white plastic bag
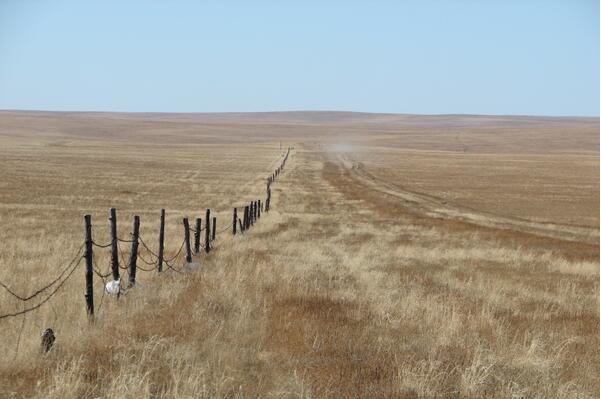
{"x": 113, "y": 287}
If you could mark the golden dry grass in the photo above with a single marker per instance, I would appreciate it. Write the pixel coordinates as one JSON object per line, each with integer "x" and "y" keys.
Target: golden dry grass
{"x": 363, "y": 281}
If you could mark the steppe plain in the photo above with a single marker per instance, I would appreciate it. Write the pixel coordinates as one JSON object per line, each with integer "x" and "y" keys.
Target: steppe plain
{"x": 404, "y": 256}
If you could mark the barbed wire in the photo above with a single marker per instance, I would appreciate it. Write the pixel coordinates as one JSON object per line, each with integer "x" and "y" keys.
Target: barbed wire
{"x": 58, "y": 287}
{"x": 145, "y": 261}
{"x": 138, "y": 267}
{"x": 169, "y": 266}
{"x": 94, "y": 262}
{"x": 101, "y": 245}
{"x": 147, "y": 248}
{"x": 223, "y": 229}
{"x": 177, "y": 254}
{"x": 39, "y": 291}
{"x": 122, "y": 258}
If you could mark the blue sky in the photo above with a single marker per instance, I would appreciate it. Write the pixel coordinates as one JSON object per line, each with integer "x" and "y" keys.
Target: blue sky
{"x": 428, "y": 57}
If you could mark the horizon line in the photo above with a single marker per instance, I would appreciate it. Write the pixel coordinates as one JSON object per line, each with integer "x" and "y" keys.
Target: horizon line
{"x": 297, "y": 111}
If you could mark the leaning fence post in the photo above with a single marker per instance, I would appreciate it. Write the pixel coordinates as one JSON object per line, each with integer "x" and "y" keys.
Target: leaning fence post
{"x": 208, "y": 231}
{"x": 197, "y": 236}
{"x": 161, "y": 240}
{"x": 187, "y": 240}
{"x": 133, "y": 260}
{"x": 89, "y": 255}
{"x": 114, "y": 245}
{"x": 235, "y": 221}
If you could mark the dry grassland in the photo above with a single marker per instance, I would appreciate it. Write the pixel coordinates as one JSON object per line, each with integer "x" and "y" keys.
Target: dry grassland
{"x": 404, "y": 256}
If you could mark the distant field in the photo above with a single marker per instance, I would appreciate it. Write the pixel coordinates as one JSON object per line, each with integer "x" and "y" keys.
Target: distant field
{"x": 558, "y": 188}
{"x": 405, "y": 256}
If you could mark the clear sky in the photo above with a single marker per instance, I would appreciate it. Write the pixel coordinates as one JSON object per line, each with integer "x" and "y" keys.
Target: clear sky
{"x": 428, "y": 57}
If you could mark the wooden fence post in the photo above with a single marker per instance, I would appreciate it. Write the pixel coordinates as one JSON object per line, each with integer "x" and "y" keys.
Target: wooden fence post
{"x": 235, "y": 221}
{"x": 268, "y": 201}
{"x": 250, "y": 215}
{"x": 208, "y": 231}
{"x": 162, "y": 240}
{"x": 259, "y": 209}
{"x": 133, "y": 260}
{"x": 89, "y": 267}
{"x": 249, "y": 221}
{"x": 214, "y": 230}
{"x": 242, "y": 221}
{"x": 187, "y": 240}
{"x": 197, "y": 235}
{"x": 114, "y": 245}
{"x": 243, "y": 228}
{"x": 246, "y": 224}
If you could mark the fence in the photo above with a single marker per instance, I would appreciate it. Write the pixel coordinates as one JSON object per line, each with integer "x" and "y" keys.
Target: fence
{"x": 157, "y": 262}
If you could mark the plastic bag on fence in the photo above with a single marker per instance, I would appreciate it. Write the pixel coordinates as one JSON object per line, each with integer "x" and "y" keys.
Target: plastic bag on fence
{"x": 113, "y": 287}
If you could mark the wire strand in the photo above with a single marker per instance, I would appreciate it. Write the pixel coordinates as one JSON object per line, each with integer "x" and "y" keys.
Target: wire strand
{"x": 101, "y": 245}
{"x": 45, "y": 299}
{"x": 177, "y": 254}
{"x": 39, "y": 291}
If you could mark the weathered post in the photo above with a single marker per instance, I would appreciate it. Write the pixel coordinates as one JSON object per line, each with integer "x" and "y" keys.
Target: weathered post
{"x": 235, "y": 221}
{"x": 89, "y": 255}
{"x": 250, "y": 213}
{"x": 208, "y": 231}
{"x": 268, "y": 201}
{"x": 246, "y": 223}
{"x": 197, "y": 236}
{"x": 162, "y": 240}
{"x": 133, "y": 260}
{"x": 187, "y": 240}
{"x": 114, "y": 245}
{"x": 243, "y": 228}
{"x": 259, "y": 209}
{"x": 214, "y": 230}
{"x": 242, "y": 221}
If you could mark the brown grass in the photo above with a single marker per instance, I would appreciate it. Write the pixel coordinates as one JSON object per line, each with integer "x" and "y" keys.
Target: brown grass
{"x": 362, "y": 282}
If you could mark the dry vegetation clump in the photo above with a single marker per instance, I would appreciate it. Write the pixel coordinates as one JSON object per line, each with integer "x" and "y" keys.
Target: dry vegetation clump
{"x": 342, "y": 290}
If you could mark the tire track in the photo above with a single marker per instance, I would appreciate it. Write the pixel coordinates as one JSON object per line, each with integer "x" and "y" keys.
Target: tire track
{"x": 437, "y": 208}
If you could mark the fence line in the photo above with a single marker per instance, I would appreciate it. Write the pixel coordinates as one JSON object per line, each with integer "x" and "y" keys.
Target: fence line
{"x": 252, "y": 213}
